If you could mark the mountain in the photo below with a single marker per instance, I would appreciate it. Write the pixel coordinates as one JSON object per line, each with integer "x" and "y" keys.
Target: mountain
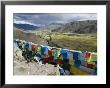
{"x": 51, "y": 26}
{"x": 81, "y": 27}
{"x": 26, "y": 26}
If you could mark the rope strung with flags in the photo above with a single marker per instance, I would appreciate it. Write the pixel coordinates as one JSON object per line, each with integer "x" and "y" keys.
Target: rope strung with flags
{"x": 48, "y": 54}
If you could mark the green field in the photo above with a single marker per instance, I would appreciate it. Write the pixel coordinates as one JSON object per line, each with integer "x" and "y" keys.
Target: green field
{"x": 81, "y": 42}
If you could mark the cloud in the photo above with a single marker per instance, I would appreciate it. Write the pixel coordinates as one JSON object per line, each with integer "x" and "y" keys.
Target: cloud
{"x": 48, "y": 18}
{"x": 26, "y": 22}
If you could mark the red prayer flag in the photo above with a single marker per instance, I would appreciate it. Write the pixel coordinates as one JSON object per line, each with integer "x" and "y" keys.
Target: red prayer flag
{"x": 87, "y": 56}
{"x": 33, "y": 47}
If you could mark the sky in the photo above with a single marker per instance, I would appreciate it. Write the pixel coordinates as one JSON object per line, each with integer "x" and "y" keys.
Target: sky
{"x": 42, "y": 19}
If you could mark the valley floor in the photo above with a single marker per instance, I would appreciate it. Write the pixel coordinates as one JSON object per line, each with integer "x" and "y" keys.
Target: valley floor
{"x": 80, "y": 42}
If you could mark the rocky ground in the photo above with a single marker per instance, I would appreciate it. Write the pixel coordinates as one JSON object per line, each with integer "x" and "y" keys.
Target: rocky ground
{"x": 31, "y": 68}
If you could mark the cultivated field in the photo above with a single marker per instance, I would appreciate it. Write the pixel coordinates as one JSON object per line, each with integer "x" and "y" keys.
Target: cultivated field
{"x": 82, "y": 42}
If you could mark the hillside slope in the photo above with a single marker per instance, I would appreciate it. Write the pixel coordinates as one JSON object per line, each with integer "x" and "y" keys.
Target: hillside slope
{"x": 81, "y": 27}
{"x": 23, "y": 35}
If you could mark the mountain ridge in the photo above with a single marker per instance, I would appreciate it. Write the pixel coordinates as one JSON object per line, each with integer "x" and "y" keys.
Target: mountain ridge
{"x": 81, "y": 27}
{"x": 26, "y": 26}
